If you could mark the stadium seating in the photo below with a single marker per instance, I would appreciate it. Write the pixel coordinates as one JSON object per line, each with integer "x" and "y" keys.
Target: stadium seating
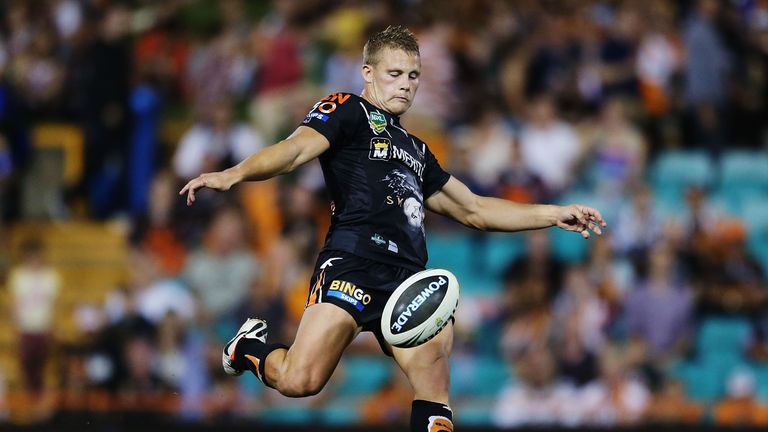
{"x": 475, "y": 384}
{"x": 720, "y": 343}
{"x": 361, "y": 375}
{"x": 718, "y": 337}
{"x": 702, "y": 383}
{"x": 743, "y": 179}
{"x": 287, "y": 415}
{"x": 469, "y": 258}
{"x": 479, "y": 375}
{"x": 761, "y": 381}
{"x": 675, "y": 171}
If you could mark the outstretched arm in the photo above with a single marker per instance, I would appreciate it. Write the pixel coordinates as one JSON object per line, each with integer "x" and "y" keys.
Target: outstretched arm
{"x": 303, "y": 145}
{"x": 456, "y": 201}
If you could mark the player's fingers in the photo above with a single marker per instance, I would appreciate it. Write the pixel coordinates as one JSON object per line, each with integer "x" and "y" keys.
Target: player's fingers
{"x": 595, "y": 228}
{"x": 584, "y": 232}
{"x": 185, "y": 188}
{"x": 582, "y": 218}
{"x": 191, "y": 187}
{"x": 594, "y": 214}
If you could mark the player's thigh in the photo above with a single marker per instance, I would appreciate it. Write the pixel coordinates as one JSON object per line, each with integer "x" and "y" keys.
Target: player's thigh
{"x": 426, "y": 366}
{"x": 324, "y": 333}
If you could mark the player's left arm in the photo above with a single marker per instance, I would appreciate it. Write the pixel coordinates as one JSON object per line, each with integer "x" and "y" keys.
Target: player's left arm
{"x": 456, "y": 201}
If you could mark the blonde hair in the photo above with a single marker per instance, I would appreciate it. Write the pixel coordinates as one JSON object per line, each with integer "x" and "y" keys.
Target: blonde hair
{"x": 394, "y": 37}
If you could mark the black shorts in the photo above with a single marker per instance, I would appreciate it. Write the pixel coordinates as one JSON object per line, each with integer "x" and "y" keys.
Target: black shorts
{"x": 358, "y": 285}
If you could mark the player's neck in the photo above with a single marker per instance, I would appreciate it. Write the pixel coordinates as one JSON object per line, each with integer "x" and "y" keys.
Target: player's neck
{"x": 370, "y": 99}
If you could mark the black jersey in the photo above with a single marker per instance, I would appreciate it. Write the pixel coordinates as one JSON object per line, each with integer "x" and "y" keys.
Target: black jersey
{"x": 378, "y": 176}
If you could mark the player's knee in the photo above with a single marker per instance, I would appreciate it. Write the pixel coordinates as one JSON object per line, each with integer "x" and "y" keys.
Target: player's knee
{"x": 301, "y": 385}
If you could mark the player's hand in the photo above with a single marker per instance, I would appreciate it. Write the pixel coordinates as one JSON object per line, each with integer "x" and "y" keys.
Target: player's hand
{"x": 581, "y": 219}
{"x": 221, "y": 180}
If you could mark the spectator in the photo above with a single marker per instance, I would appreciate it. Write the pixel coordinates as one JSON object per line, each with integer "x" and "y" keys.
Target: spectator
{"x": 155, "y": 231}
{"x": 126, "y": 322}
{"x": 142, "y": 384}
{"x": 528, "y": 324}
{"x": 276, "y": 44}
{"x": 579, "y": 308}
{"x": 437, "y": 99}
{"x": 538, "y": 264}
{"x": 146, "y": 109}
{"x": 39, "y": 74}
{"x": 617, "y": 397}
{"x": 34, "y": 286}
{"x": 740, "y": 409}
{"x": 214, "y": 143}
{"x": 345, "y": 30}
{"x": 539, "y": 399}
{"x": 100, "y": 87}
{"x": 671, "y": 406}
{"x": 518, "y": 183}
{"x": 618, "y": 52}
{"x": 156, "y": 295}
{"x": 659, "y": 57}
{"x": 659, "y": 310}
{"x": 613, "y": 276}
{"x": 694, "y": 230}
{"x": 638, "y": 225}
{"x": 549, "y": 146}
{"x": 489, "y": 143}
{"x": 615, "y": 152}
{"x": 707, "y": 70}
{"x": 576, "y": 364}
{"x": 221, "y": 271}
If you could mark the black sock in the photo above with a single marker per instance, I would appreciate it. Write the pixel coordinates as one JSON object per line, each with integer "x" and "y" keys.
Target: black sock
{"x": 429, "y": 416}
{"x": 256, "y": 353}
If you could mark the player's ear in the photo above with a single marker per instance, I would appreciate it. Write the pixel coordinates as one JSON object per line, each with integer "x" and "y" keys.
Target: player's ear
{"x": 367, "y": 73}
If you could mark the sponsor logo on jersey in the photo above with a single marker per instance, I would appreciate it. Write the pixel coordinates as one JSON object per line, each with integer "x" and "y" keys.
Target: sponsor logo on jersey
{"x": 378, "y": 239}
{"x": 339, "y": 98}
{"x": 383, "y": 149}
{"x": 322, "y": 117}
{"x": 326, "y": 106}
{"x": 392, "y": 246}
{"x": 350, "y": 293}
{"x": 416, "y": 303}
{"x": 377, "y": 121}
{"x": 380, "y": 149}
{"x": 408, "y": 160}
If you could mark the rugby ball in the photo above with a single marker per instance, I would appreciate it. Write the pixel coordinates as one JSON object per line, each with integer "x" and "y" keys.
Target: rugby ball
{"x": 420, "y": 308}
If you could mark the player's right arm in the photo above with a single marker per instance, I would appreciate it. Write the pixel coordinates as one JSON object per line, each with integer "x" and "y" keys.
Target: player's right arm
{"x": 303, "y": 145}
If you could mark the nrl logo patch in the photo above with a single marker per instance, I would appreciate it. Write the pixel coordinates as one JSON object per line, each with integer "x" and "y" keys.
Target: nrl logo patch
{"x": 377, "y": 121}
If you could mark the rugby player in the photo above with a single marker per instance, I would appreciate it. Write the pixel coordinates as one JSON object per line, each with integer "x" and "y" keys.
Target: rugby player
{"x": 380, "y": 179}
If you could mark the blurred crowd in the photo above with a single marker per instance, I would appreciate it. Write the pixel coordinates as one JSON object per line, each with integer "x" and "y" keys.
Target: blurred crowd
{"x": 534, "y": 101}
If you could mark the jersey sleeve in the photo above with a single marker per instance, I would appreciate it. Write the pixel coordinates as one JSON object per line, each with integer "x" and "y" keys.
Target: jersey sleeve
{"x": 434, "y": 175}
{"x": 335, "y": 117}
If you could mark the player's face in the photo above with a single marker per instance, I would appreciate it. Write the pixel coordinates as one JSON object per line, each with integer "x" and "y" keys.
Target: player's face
{"x": 393, "y": 81}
